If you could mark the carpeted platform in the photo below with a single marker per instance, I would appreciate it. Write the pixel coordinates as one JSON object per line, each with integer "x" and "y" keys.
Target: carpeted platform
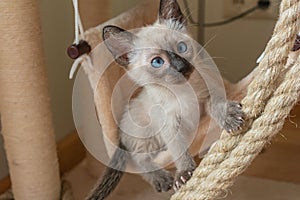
{"x": 132, "y": 187}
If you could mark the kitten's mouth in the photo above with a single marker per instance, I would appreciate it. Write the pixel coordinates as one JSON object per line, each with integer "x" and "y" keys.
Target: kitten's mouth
{"x": 175, "y": 77}
{"x": 185, "y": 71}
{"x": 188, "y": 74}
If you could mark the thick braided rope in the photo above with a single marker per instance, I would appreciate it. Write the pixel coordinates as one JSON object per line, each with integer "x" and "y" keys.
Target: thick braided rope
{"x": 264, "y": 128}
{"x": 263, "y": 85}
{"x": 258, "y": 93}
{"x": 273, "y": 64}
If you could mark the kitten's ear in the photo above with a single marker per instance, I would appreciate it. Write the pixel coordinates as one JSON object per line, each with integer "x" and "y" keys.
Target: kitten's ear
{"x": 119, "y": 42}
{"x": 170, "y": 9}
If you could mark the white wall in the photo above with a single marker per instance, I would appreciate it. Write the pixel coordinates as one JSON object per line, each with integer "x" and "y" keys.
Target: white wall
{"x": 235, "y": 46}
{"x": 57, "y": 26}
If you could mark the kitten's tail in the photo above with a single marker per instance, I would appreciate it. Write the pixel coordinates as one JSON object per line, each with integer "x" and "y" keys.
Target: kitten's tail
{"x": 111, "y": 177}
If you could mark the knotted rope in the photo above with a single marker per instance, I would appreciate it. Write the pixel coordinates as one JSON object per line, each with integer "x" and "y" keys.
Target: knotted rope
{"x": 267, "y": 104}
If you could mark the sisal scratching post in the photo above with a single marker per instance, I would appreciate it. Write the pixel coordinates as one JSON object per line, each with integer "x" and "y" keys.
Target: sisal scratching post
{"x": 25, "y": 105}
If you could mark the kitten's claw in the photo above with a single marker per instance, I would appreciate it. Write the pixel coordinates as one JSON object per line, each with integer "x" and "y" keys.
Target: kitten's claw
{"x": 177, "y": 185}
{"x": 182, "y": 178}
{"x": 175, "y": 188}
{"x": 234, "y": 119}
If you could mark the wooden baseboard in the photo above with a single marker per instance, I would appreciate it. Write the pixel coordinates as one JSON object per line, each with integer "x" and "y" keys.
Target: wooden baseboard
{"x": 70, "y": 152}
{"x": 5, "y": 184}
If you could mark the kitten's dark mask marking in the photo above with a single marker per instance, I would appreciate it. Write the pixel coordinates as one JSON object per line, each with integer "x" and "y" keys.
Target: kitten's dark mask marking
{"x": 180, "y": 64}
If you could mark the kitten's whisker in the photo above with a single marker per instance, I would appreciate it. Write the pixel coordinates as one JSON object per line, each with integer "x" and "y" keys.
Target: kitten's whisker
{"x": 205, "y": 45}
{"x": 209, "y": 41}
{"x": 185, "y": 20}
{"x": 204, "y": 64}
{"x": 188, "y": 15}
{"x": 217, "y": 57}
{"x": 210, "y": 58}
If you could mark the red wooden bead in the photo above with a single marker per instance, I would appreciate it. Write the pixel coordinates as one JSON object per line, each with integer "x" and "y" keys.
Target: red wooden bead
{"x": 76, "y": 50}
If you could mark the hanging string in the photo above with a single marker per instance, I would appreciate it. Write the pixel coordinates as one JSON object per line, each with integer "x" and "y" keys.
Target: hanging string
{"x": 78, "y": 24}
{"x": 78, "y": 62}
{"x": 79, "y": 32}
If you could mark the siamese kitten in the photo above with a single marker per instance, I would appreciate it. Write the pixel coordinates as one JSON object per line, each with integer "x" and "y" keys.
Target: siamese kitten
{"x": 164, "y": 113}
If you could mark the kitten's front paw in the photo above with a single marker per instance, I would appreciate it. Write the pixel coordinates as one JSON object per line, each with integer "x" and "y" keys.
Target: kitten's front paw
{"x": 234, "y": 119}
{"x": 182, "y": 177}
{"x": 163, "y": 181}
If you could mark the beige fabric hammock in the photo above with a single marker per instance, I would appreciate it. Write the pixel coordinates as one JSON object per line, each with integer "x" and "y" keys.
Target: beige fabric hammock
{"x": 104, "y": 87}
{"x": 273, "y": 90}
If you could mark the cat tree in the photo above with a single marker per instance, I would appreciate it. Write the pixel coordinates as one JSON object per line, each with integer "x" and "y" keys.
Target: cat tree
{"x": 26, "y": 118}
{"x": 273, "y": 90}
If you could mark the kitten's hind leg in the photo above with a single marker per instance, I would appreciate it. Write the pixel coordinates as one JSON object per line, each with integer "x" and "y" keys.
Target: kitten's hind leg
{"x": 178, "y": 147}
{"x": 161, "y": 179}
{"x": 185, "y": 168}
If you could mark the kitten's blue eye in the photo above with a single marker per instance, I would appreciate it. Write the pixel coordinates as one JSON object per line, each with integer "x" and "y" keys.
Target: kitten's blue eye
{"x": 157, "y": 62}
{"x": 181, "y": 47}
